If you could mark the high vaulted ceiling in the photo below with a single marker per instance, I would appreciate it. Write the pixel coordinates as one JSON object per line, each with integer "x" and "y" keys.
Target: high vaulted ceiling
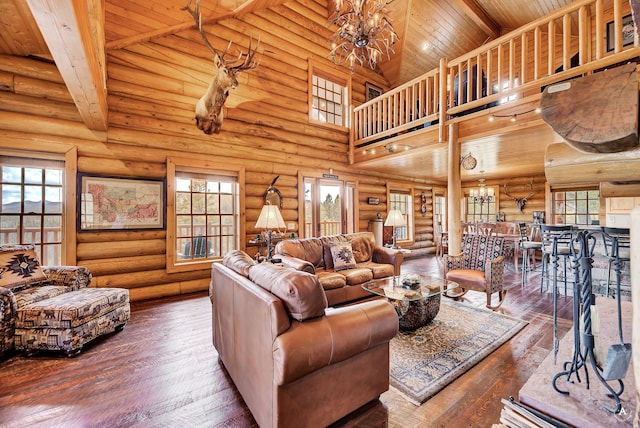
{"x": 428, "y": 29}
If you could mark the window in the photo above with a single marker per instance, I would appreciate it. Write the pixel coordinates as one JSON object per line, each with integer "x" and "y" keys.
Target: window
{"x": 401, "y": 200}
{"x": 203, "y": 213}
{"x": 328, "y": 98}
{"x": 440, "y": 211}
{"x": 576, "y": 206}
{"x": 33, "y": 205}
{"x": 482, "y": 209}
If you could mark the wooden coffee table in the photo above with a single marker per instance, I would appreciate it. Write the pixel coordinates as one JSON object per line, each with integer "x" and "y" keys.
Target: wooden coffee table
{"x": 416, "y": 304}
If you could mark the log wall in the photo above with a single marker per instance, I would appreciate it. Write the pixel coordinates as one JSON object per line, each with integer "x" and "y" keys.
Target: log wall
{"x": 152, "y": 89}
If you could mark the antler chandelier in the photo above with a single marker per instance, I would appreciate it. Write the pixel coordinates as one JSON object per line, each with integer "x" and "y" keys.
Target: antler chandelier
{"x": 364, "y": 34}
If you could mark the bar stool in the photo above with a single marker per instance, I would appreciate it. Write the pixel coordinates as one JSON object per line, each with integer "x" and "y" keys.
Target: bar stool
{"x": 529, "y": 244}
{"x": 556, "y": 243}
{"x": 617, "y": 244}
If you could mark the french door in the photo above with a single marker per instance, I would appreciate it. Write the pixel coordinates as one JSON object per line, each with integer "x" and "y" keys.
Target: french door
{"x": 328, "y": 206}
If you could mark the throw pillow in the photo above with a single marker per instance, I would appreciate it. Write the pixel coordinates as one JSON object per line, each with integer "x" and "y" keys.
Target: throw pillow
{"x": 19, "y": 266}
{"x": 342, "y": 255}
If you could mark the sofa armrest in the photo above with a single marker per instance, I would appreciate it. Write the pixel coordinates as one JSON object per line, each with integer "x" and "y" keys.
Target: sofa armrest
{"x": 339, "y": 335}
{"x": 297, "y": 264}
{"x": 389, "y": 256}
{"x": 75, "y": 277}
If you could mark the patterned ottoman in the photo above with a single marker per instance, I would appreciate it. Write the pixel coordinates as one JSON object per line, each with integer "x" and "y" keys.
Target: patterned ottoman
{"x": 67, "y": 321}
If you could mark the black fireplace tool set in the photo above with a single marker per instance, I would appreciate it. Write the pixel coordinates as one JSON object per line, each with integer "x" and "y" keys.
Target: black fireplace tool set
{"x": 619, "y": 355}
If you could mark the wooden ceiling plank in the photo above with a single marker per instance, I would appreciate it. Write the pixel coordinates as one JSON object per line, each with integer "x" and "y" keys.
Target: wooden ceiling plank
{"x": 479, "y": 16}
{"x": 71, "y": 43}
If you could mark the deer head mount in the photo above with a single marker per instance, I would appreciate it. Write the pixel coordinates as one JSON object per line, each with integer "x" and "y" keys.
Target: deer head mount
{"x": 209, "y": 114}
{"x": 520, "y": 202}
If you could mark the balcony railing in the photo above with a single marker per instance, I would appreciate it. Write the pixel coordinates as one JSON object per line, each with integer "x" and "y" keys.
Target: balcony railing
{"x": 564, "y": 44}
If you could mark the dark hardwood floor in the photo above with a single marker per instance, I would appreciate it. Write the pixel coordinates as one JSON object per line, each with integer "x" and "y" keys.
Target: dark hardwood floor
{"x": 162, "y": 371}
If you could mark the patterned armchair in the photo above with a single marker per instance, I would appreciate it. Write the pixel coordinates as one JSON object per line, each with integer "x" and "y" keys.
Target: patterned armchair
{"x": 35, "y": 285}
{"x": 480, "y": 267}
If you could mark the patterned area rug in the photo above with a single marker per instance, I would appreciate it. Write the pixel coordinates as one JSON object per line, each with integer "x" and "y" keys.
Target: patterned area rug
{"x": 428, "y": 359}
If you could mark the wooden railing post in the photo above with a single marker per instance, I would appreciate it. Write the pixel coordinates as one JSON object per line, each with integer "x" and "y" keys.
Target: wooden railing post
{"x": 442, "y": 101}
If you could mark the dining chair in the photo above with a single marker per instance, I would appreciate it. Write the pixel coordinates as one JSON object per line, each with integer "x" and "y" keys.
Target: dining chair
{"x": 442, "y": 240}
{"x": 529, "y": 244}
{"x": 556, "y": 245}
{"x": 485, "y": 229}
{"x": 617, "y": 245}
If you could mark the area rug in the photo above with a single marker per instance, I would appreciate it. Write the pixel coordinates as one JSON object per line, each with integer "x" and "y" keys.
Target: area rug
{"x": 428, "y": 359}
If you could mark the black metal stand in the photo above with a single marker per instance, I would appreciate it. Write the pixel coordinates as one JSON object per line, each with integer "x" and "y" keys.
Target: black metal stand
{"x": 583, "y": 244}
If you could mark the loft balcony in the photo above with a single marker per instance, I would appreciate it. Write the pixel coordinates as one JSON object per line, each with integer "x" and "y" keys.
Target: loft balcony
{"x": 504, "y": 78}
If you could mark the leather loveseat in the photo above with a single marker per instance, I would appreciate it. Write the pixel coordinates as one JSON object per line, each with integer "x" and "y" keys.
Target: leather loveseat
{"x": 295, "y": 362}
{"x": 341, "y": 283}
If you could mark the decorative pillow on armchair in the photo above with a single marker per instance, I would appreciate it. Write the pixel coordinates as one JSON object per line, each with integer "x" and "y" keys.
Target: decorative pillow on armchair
{"x": 19, "y": 266}
{"x": 342, "y": 255}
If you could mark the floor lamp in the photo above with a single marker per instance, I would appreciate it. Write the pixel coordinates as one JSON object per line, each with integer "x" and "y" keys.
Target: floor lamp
{"x": 269, "y": 219}
{"x": 395, "y": 219}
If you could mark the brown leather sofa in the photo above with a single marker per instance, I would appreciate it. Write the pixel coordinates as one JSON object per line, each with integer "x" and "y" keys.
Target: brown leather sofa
{"x": 295, "y": 362}
{"x": 314, "y": 255}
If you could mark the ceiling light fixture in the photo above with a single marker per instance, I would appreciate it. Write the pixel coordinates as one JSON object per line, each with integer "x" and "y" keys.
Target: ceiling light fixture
{"x": 512, "y": 117}
{"x": 364, "y": 34}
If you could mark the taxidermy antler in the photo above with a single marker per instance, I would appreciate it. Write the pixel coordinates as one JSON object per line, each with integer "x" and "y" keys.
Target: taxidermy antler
{"x": 520, "y": 202}
{"x": 209, "y": 112}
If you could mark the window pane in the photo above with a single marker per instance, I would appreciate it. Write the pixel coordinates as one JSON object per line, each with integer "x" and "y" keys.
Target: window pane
{"x": 11, "y": 174}
{"x": 53, "y": 199}
{"x": 11, "y": 198}
{"x": 53, "y": 177}
{"x": 183, "y": 203}
{"x": 198, "y": 201}
{"x": 33, "y": 175}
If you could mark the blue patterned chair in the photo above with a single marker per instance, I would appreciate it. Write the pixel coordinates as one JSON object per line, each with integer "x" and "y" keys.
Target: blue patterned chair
{"x": 480, "y": 267}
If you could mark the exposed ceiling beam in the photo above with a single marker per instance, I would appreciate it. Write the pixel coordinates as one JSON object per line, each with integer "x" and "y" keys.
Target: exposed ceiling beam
{"x": 73, "y": 33}
{"x": 479, "y": 16}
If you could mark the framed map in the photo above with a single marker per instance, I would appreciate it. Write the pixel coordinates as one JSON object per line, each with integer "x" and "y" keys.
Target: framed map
{"x": 117, "y": 203}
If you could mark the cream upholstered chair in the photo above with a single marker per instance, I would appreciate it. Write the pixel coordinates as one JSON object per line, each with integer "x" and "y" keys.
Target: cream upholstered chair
{"x": 480, "y": 267}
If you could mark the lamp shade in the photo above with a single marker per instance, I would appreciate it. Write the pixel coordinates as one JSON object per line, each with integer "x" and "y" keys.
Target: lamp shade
{"x": 394, "y": 218}
{"x": 270, "y": 218}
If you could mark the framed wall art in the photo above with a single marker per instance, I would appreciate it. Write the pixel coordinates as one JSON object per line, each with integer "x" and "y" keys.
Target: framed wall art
{"x": 371, "y": 91}
{"x": 118, "y": 203}
{"x": 627, "y": 33}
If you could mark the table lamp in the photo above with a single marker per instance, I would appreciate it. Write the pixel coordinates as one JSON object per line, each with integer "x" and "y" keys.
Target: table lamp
{"x": 395, "y": 219}
{"x": 269, "y": 219}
